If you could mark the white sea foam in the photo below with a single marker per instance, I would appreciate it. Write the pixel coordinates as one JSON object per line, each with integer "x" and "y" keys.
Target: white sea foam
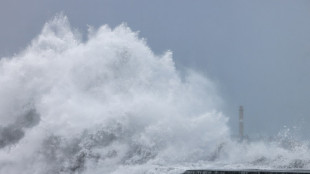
{"x": 110, "y": 105}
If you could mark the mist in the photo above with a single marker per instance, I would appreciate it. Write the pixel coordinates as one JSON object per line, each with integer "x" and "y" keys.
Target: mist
{"x": 108, "y": 104}
{"x": 255, "y": 52}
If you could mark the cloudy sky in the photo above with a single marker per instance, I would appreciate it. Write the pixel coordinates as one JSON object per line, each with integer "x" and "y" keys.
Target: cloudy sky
{"x": 257, "y": 52}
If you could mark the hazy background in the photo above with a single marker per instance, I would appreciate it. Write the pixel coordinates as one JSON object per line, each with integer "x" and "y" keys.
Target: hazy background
{"x": 257, "y": 52}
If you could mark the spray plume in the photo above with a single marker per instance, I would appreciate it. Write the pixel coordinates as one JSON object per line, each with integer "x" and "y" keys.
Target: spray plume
{"x": 110, "y": 105}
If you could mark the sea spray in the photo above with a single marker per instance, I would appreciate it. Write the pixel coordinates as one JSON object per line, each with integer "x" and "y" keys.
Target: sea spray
{"x": 110, "y": 105}
{"x": 104, "y": 104}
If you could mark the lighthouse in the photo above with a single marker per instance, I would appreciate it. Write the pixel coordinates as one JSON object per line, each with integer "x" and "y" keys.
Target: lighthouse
{"x": 241, "y": 128}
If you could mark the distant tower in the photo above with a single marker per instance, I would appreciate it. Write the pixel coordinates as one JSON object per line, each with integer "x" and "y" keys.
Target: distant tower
{"x": 241, "y": 135}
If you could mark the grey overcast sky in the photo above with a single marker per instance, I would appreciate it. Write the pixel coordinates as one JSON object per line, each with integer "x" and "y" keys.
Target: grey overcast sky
{"x": 257, "y": 52}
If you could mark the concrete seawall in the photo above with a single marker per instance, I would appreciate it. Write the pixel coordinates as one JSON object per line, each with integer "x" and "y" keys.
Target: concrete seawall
{"x": 254, "y": 171}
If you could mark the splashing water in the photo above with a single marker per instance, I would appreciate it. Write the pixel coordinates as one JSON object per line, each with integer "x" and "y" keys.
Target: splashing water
{"x": 109, "y": 105}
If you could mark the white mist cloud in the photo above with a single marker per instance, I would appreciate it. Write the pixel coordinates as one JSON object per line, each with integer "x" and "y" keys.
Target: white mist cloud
{"x": 109, "y": 105}
{"x": 105, "y": 102}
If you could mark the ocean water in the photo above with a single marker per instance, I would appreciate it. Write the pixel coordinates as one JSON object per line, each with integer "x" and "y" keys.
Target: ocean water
{"x": 109, "y": 105}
